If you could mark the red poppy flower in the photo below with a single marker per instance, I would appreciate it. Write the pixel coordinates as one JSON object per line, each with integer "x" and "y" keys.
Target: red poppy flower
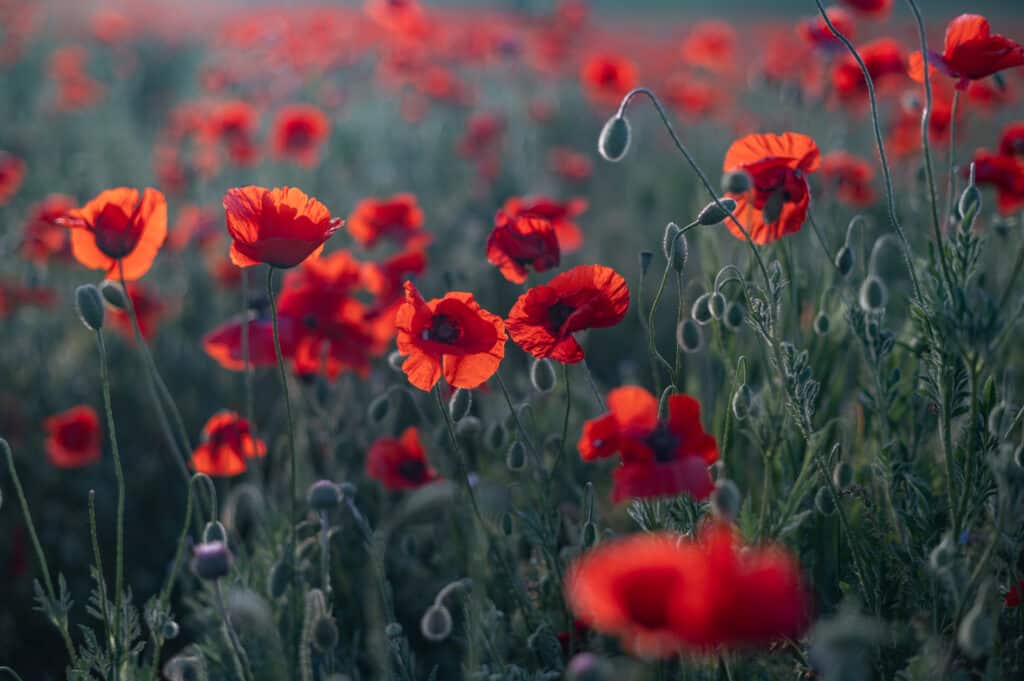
{"x": 12, "y": 170}
{"x": 560, "y": 214}
{"x": 776, "y": 203}
{"x": 885, "y": 61}
{"x": 874, "y": 8}
{"x": 815, "y": 32}
{"x": 659, "y": 457}
{"x": 73, "y": 437}
{"x": 385, "y": 279}
{"x": 148, "y": 307}
{"x": 905, "y": 133}
{"x": 299, "y": 132}
{"x": 44, "y": 237}
{"x": 1005, "y": 173}
{"x": 119, "y": 227}
{"x": 226, "y": 446}
{"x": 1011, "y": 142}
{"x": 233, "y": 124}
{"x": 483, "y": 133}
{"x": 451, "y": 334}
{"x": 570, "y": 165}
{"x": 850, "y": 177}
{"x": 607, "y": 78}
{"x": 542, "y": 322}
{"x": 692, "y": 97}
{"x": 224, "y": 343}
{"x": 971, "y": 52}
{"x": 711, "y": 45}
{"x": 399, "y": 218}
{"x": 280, "y": 227}
{"x": 518, "y": 242}
{"x": 400, "y": 463}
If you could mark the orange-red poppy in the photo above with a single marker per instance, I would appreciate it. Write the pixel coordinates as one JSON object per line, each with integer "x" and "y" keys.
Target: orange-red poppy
{"x": 971, "y": 52}
{"x": 561, "y": 214}
{"x": 119, "y": 229}
{"x": 12, "y": 170}
{"x": 516, "y": 243}
{"x": 224, "y": 343}
{"x": 607, "y": 78}
{"x": 233, "y": 125}
{"x": 44, "y": 237}
{"x": 280, "y": 227}
{"x": 299, "y": 133}
{"x": 544, "y": 319}
{"x": 400, "y": 463}
{"x": 73, "y": 437}
{"x": 452, "y": 335}
{"x": 886, "y": 64}
{"x": 777, "y": 200}
{"x": 711, "y": 45}
{"x": 227, "y": 445}
{"x": 398, "y": 218}
{"x": 849, "y": 177}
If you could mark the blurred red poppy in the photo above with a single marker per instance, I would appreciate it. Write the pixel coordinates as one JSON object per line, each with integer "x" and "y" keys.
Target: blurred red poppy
{"x": 224, "y": 343}
{"x": 12, "y": 170}
{"x": 118, "y": 228}
{"x": 608, "y": 77}
{"x": 1005, "y": 173}
{"x": 885, "y": 61}
{"x": 299, "y": 133}
{"x": 149, "y": 309}
{"x": 777, "y": 200}
{"x": 400, "y": 463}
{"x": 711, "y": 45}
{"x": 399, "y": 218}
{"x": 971, "y": 52}
{"x": 14, "y": 295}
{"x": 227, "y": 444}
{"x": 232, "y": 124}
{"x": 73, "y": 437}
{"x": 874, "y": 8}
{"x": 516, "y": 243}
{"x": 816, "y": 33}
{"x": 44, "y": 238}
{"x": 280, "y": 227}
{"x": 544, "y": 319}
{"x": 1011, "y": 142}
{"x": 570, "y": 164}
{"x": 453, "y": 335}
{"x": 561, "y": 214}
{"x": 849, "y": 178}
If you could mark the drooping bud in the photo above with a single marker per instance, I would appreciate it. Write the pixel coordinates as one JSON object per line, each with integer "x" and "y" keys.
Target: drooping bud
{"x": 613, "y": 143}
{"x": 735, "y": 313}
{"x": 542, "y": 375}
{"x": 515, "y": 457}
{"x": 824, "y": 502}
{"x": 323, "y": 495}
{"x": 325, "y": 634}
{"x": 701, "y": 310}
{"x": 589, "y": 535}
{"x": 741, "y": 402}
{"x": 680, "y": 253}
{"x": 713, "y": 215}
{"x": 214, "y": 531}
{"x": 89, "y": 304}
{"x": 460, "y": 404}
{"x": 726, "y": 500}
{"x": 495, "y": 435}
{"x": 436, "y": 623}
{"x": 736, "y": 182}
{"x": 379, "y": 409}
{"x": 211, "y": 560}
{"x": 844, "y": 260}
{"x": 689, "y": 336}
{"x": 842, "y": 475}
{"x": 716, "y": 305}
{"x": 943, "y": 554}
{"x": 873, "y": 294}
{"x": 822, "y": 324}
{"x": 668, "y": 239}
{"x": 114, "y": 294}
{"x": 976, "y": 633}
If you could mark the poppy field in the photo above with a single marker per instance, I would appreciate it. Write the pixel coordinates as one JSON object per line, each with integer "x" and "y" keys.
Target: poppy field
{"x": 511, "y": 341}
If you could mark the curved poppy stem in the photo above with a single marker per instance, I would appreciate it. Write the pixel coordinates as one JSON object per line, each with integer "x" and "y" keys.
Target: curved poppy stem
{"x": 821, "y": 238}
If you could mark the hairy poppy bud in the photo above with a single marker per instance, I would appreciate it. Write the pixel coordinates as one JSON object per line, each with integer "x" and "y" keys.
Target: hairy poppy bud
{"x": 211, "y": 560}
{"x": 325, "y": 634}
{"x": 468, "y": 428}
{"x": 716, "y": 305}
{"x": 215, "y": 531}
{"x": 736, "y": 182}
{"x": 689, "y": 336}
{"x": 114, "y": 294}
{"x": 89, "y": 304}
{"x": 645, "y": 261}
{"x": 822, "y": 324}
{"x": 515, "y": 457}
{"x": 495, "y": 436}
{"x": 379, "y": 409}
{"x": 170, "y": 630}
{"x": 279, "y": 579}
{"x": 589, "y": 535}
{"x": 668, "y": 239}
{"x": 436, "y": 623}
{"x": 735, "y": 313}
{"x": 873, "y": 294}
{"x": 393, "y": 630}
{"x": 844, "y": 260}
{"x": 842, "y": 475}
{"x": 701, "y": 310}
{"x": 726, "y": 500}
{"x": 613, "y": 143}
{"x": 323, "y": 495}
{"x": 460, "y": 404}
{"x": 824, "y": 502}
{"x": 741, "y": 402}
{"x": 969, "y": 205}
{"x": 542, "y": 375}
{"x": 713, "y": 215}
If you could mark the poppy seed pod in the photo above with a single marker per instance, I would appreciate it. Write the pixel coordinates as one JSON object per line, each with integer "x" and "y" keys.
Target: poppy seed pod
{"x": 735, "y": 313}
{"x": 824, "y": 502}
{"x": 214, "y": 531}
{"x": 325, "y": 634}
{"x": 713, "y": 215}
{"x": 436, "y": 623}
{"x": 844, "y": 260}
{"x": 323, "y": 495}
{"x": 726, "y": 500}
{"x": 211, "y": 560}
{"x": 701, "y": 310}
{"x": 736, "y": 182}
{"x": 842, "y": 475}
{"x": 689, "y": 336}
{"x": 741, "y": 401}
{"x": 716, "y": 305}
{"x": 89, "y": 304}
{"x": 460, "y": 404}
{"x": 873, "y": 294}
{"x": 542, "y": 375}
{"x": 515, "y": 457}
{"x": 822, "y": 324}
{"x": 613, "y": 143}
{"x": 114, "y": 294}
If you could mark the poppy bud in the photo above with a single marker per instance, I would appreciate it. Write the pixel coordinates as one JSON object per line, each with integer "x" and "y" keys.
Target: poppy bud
{"x": 613, "y": 143}
{"x": 436, "y": 624}
{"x": 988, "y": 390}
{"x": 542, "y": 375}
{"x": 114, "y": 294}
{"x": 378, "y": 410}
{"x": 822, "y": 324}
{"x": 645, "y": 261}
{"x": 701, "y": 310}
{"x": 215, "y": 532}
{"x": 507, "y": 524}
{"x": 1018, "y": 456}
{"x": 734, "y": 315}
{"x": 393, "y": 630}
{"x": 736, "y": 182}
{"x": 773, "y": 207}
{"x": 279, "y": 579}
{"x": 713, "y": 215}
{"x": 716, "y": 305}
{"x": 211, "y": 560}
{"x": 395, "y": 360}
{"x": 844, "y": 260}
{"x": 873, "y": 294}
{"x": 741, "y": 402}
{"x": 589, "y": 535}
{"x": 495, "y": 436}
{"x": 460, "y": 404}
{"x": 689, "y": 336}
{"x": 589, "y": 667}
{"x": 842, "y": 475}
{"x": 976, "y": 632}
{"x": 726, "y": 500}
{"x": 515, "y": 457}
{"x": 824, "y": 502}
{"x": 325, "y": 634}
{"x": 323, "y": 495}
{"x": 969, "y": 204}
{"x": 170, "y": 630}
{"x": 89, "y": 304}
{"x": 668, "y": 239}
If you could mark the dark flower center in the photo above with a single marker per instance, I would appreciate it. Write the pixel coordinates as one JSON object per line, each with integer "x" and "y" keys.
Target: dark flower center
{"x": 75, "y": 436}
{"x": 412, "y": 470}
{"x": 558, "y": 314}
{"x": 664, "y": 442}
{"x": 444, "y": 329}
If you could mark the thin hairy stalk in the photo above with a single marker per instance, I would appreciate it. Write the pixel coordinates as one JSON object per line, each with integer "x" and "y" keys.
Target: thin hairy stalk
{"x": 325, "y": 554}
{"x": 237, "y": 651}
{"x": 515, "y": 416}
{"x": 652, "y": 348}
{"x": 593, "y": 385}
{"x": 821, "y": 239}
{"x": 36, "y": 546}
{"x": 98, "y": 559}
{"x": 951, "y": 161}
{"x": 246, "y": 369}
{"x": 1018, "y": 266}
{"x": 890, "y": 194}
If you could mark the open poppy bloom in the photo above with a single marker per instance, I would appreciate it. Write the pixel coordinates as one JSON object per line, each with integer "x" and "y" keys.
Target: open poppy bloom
{"x": 873, "y": 8}
{"x": 849, "y": 177}
{"x": 659, "y": 457}
{"x": 73, "y": 437}
{"x": 224, "y": 343}
{"x": 280, "y": 227}
{"x": 886, "y": 64}
{"x": 233, "y": 124}
{"x": 119, "y": 229}
{"x": 453, "y": 335}
{"x": 299, "y": 133}
{"x": 1011, "y": 142}
{"x": 777, "y": 200}
{"x": 148, "y": 308}
{"x": 561, "y": 215}
{"x": 518, "y": 242}
{"x": 542, "y": 322}
{"x": 608, "y": 78}
{"x": 1005, "y": 173}
{"x": 816, "y": 33}
{"x": 399, "y": 218}
{"x": 971, "y": 52}
{"x": 226, "y": 446}
{"x": 12, "y": 170}
{"x": 400, "y": 463}
{"x": 44, "y": 237}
